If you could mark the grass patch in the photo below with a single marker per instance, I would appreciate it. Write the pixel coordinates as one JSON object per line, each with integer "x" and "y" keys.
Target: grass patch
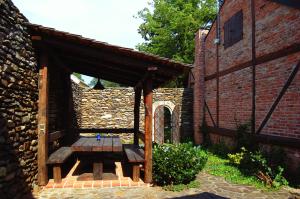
{"x": 220, "y": 167}
{"x": 181, "y": 187}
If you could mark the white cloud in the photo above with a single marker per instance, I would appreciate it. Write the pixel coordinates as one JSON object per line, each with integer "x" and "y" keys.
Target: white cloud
{"x": 110, "y": 21}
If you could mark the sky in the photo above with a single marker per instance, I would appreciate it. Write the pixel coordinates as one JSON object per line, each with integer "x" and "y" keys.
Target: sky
{"x": 110, "y": 21}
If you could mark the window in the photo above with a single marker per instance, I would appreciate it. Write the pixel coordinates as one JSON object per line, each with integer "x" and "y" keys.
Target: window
{"x": 233, "y": 29}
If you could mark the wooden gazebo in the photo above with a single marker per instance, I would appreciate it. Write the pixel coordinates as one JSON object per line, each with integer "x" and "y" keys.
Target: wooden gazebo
{"x": 73, "y": 53}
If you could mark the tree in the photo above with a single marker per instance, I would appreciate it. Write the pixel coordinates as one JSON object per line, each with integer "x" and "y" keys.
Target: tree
{"x": 169, "y": 29}
{"x": 78, "y": 75}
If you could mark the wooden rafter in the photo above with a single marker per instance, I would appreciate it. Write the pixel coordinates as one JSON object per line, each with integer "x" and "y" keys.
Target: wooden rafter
{"x": 106, "y": 56}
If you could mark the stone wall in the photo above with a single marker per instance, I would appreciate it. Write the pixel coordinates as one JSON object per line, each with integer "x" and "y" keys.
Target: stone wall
{"x": 113, "y": 107}
{"x": 18, "y": 107}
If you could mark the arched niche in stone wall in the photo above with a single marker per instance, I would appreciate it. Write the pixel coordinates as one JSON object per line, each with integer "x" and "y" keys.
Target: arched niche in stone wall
{"x": 168, "y": 104}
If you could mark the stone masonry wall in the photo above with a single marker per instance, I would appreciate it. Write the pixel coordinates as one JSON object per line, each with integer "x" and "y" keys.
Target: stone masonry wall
{"x": 18, "y": 105}
{"x": 113, "y": 107}
{"x": 277, "y": 30}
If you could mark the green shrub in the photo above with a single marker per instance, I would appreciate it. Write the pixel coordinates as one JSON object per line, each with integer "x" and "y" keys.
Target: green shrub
{"x": 256, "y": 163}
{"x": 244, "y": 138}
{"x": 187, "y": 139}
{"x": 220, "y": 149}
{"x": 177, "y": 164}
{"x": 236, "y": 158}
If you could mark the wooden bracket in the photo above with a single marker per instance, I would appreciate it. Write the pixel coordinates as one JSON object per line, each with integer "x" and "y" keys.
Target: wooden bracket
{"x": 36, "y": 38}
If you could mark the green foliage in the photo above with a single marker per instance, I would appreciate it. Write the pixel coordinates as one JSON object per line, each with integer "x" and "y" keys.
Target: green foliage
{"x": 276, "y": 157}
{"x": 181, "y": 187}
{"x": 205, "y": 132}
{"x": 167, "y": 135}
{"x": 79, "y": 76}
{"x": 236, "y": 158}
{"x": 177, "y": 164}
{"x": 187, "y": 139}
{"x": 244, "y": 137}
{"x": 255, "y": 163}
{"x": 219, "y": 166}
{"x": 219, "y": 148}
{"x": 169, "y": 29}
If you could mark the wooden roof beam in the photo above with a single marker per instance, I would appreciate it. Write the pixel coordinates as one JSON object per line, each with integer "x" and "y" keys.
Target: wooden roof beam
{"x": 104, "y": 75}
{"x": 109, "y": 56}
{"x": 102, "y": 67}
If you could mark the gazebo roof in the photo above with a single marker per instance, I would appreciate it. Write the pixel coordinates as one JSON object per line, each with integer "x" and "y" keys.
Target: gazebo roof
{"x": 100, "y": 59}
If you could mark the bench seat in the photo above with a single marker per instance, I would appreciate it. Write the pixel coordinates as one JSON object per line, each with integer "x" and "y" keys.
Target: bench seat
{"x": 135, "y": 156}
{"x": 56, "y": 159}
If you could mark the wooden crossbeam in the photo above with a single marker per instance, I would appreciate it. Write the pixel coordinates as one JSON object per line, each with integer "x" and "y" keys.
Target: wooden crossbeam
{"x": 111, "y": 57}
{"x": 102, "y": 130}
{"x": 53, "y": 136}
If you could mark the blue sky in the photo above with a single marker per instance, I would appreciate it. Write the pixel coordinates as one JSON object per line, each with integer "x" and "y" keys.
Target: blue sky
{"x": 109, "y": 21}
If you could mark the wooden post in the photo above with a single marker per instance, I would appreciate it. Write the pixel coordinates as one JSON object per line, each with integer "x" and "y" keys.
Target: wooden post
{"x": 137, "y": 102}
{"x": 135, "y": 172}
{"x": 69, "y": 137}
{"x": 43, "y": 121}
{"x": 98, "y": 170}
{"x": 148, "y": 129}
{"x": 57, "y": 173}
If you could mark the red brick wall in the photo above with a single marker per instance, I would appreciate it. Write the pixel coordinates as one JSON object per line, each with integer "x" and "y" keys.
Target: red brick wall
{"x": 277, "y": 27}
{"x": 270, "y": 78}
{"x": 241, "y": 51}
{"x": 198, "y": 102}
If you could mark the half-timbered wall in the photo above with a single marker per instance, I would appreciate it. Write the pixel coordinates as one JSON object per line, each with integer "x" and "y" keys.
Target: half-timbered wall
{"x": 243, "y": 81}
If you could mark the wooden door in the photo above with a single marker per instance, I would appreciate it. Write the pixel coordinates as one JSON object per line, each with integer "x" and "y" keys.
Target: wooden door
{"x": 159, "y": 125}
{"x": 175, "y": 125}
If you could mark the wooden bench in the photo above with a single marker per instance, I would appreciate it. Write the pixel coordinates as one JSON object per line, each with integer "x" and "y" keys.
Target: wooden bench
{"x": 57, "y": 159}
{"x": 135, "y": 156}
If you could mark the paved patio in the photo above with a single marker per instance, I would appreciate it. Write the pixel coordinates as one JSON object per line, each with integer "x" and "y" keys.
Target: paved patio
{"x": 212, "y": 187}
{"x": 115, "y": 179}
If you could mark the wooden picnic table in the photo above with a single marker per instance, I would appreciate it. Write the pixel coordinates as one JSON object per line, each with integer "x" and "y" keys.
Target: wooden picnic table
{"x": 92, "y": 145}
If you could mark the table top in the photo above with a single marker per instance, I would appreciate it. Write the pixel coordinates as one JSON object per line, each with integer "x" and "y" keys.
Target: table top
{"x": 91, "y": 144}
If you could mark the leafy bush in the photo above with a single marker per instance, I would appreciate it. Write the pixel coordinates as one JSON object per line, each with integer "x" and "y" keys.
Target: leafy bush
{"x": 255, "y": 163}
{"x": 177, "y": 164}
{"x": 244, "y": 137}
{"x": 236, "y": 158}
{"x": 220, "y": 149}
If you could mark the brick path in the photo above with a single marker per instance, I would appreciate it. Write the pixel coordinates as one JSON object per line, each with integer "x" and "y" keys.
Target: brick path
{"x": 212, "y": 187}
{"x": 71, "y": 180}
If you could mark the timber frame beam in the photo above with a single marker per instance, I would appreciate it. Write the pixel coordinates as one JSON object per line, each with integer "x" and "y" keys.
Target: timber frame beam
{"x": 148, "y": 98}
{"x": 137, "y": 102}
{"x": 43, "y": 120}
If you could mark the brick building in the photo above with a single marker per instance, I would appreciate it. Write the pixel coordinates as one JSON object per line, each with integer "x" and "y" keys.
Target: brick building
{"x": 246, "y": 70}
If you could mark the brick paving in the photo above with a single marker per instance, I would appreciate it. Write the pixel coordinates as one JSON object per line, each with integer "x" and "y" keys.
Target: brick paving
{"x": 211, "y": 187}
{"x": 71, "y": 180}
